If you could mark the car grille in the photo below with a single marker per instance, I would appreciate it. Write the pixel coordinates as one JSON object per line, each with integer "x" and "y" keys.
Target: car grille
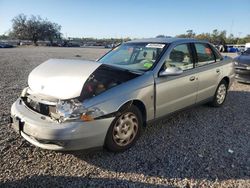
{"x": 41, "y": 108}
{"x": 242, "y": 76}
{"x": 242, "y": 66}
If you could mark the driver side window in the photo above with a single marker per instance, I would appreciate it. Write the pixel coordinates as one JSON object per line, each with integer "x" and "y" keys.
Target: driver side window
{"x": 180, "y": 57}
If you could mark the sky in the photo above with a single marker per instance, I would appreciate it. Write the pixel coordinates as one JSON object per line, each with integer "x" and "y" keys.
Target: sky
{"x": 133, "y": 18}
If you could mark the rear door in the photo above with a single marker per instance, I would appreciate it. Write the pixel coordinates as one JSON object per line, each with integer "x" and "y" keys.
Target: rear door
{"x": 176, "y": 92}
{"x": 207, "y": 64}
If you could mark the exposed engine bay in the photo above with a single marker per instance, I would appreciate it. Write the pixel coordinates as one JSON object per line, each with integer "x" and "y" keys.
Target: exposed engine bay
{"x": 104, "y": 78}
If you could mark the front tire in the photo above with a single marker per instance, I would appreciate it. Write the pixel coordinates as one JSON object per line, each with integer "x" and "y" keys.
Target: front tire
{"x": 220, "y": 94}
{"x": 124, "y": 130}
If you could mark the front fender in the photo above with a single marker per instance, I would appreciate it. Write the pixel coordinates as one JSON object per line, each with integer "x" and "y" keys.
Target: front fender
{"x": 141, "y": 88}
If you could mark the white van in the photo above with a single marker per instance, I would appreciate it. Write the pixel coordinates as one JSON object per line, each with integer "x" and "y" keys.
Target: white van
{"x": 247, "y": 46}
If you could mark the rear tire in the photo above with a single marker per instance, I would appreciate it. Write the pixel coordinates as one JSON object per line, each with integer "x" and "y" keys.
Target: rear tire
{"x": 220, "y": 94}
{"x": 124, "y": 130}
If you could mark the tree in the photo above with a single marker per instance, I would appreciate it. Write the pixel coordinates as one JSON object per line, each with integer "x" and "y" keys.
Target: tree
{"x": 4, "y": 37}
{"x": 34, "y": 28}
{"x": 190, "y": 33}
{"x": 51, "y": 31}
{"x": 160, "y": 36}
{"x": 231, "y": 39}
{"x": 218, "y": 37}
{"x": 204, "y": 36}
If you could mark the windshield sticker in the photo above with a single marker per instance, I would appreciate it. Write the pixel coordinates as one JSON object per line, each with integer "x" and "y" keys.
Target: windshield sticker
{"x": 148, "y": 65}
{"x": 153, "y": 45}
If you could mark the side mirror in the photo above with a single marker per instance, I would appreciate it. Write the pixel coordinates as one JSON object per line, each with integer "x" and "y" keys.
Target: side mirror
{"x": 171, "y": 71}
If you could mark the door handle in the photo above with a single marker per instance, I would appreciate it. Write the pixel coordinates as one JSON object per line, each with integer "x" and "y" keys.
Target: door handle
{"x": 192, "y": 78}
{"x": 218, "y": 71}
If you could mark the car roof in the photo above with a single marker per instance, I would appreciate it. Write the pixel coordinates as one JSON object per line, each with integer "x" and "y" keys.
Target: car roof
{"x": 164, "y": 40}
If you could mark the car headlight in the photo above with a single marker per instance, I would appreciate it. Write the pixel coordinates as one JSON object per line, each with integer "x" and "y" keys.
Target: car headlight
{"x": 73, "y": 110}
{"x": 68, "y": 109}
{"x": 24, "y": 92}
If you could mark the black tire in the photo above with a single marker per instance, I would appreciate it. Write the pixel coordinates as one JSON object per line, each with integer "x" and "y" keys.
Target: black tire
{"x": 216, "y": 102}
{"x": 110, "y": 143}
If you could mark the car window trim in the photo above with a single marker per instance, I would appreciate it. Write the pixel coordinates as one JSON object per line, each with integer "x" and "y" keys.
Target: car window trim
{"x": 191, "y": 49}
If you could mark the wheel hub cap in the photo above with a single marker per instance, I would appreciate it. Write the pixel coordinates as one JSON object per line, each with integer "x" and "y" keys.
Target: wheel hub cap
{"x": 221, "y": 94}
{"x": 125, "y": 129}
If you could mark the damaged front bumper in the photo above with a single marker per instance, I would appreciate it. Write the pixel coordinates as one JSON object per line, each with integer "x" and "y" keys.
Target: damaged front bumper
{"x": 46, "y": 133}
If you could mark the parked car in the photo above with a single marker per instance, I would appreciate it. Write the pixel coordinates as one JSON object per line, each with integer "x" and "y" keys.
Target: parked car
{"x": 5, "y": 45}
{"x": 242, "y": 67}
{"x": 247, "y": 46}
{"x": 108, "y": 46}
{"x": 69, "y": 44}
{"x": 75, "y": 104}
{"x": 232, "y": 49}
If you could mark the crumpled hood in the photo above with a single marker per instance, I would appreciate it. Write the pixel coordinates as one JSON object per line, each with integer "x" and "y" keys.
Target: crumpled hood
{"x": 61, "y": 78}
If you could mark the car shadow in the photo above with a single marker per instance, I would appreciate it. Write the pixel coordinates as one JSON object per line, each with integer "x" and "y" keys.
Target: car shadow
{"x": 69, "y": 181}
{"x": 197, "y": 143}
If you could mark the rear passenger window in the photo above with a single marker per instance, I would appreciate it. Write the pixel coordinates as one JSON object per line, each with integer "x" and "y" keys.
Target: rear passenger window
{"x": 204, "y": 54}
{"x": 180, "y": 57}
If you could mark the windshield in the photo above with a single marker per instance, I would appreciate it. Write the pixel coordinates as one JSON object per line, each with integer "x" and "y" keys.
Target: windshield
{"x": 134, "y": 56}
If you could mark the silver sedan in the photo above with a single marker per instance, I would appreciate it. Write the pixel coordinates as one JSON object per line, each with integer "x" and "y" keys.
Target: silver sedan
{"x": 75, "y": 104}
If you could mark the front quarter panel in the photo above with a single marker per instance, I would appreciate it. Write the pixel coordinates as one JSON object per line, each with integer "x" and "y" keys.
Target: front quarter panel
{"x": 140, "y": 88}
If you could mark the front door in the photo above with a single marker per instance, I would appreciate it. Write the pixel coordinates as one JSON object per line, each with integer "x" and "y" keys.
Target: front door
{"x": 176, "y": 92}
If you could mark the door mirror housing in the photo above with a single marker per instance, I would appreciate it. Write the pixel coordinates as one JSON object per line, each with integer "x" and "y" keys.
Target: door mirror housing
{"x": 171, "y": 71}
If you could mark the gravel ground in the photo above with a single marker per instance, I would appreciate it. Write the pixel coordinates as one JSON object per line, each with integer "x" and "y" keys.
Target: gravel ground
{"x": 198, "y": 147}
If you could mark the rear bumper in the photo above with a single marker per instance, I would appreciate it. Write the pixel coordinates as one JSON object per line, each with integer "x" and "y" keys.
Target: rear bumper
{"x": 43, "y": 132}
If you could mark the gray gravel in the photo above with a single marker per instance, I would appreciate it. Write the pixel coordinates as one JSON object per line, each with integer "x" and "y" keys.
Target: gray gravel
{"x": 198, "y": 147}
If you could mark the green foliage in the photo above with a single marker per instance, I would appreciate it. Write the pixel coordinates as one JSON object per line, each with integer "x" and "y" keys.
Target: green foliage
{"x": 104, "y": 41}
{"x": 216, "y": 37}
{"x": 34, "y": 28}
{"x": 4, "y": 37}
{"x": 189, "y": 34}
{"x": 160, "y": 36}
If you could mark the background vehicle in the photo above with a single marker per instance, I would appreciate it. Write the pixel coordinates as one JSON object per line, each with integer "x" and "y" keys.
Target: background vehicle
{"x": 247, "y": 46}
{"x": 232, "y": 48}
{"x": 73, "y": 104}
{"x": 242, "y": 67}
{"x": 5, "y": 45}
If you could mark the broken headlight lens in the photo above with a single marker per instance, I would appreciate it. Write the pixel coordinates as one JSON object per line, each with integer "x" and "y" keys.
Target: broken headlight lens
{"x": 73, "y": 109}
{"x": 68, "y": 109}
